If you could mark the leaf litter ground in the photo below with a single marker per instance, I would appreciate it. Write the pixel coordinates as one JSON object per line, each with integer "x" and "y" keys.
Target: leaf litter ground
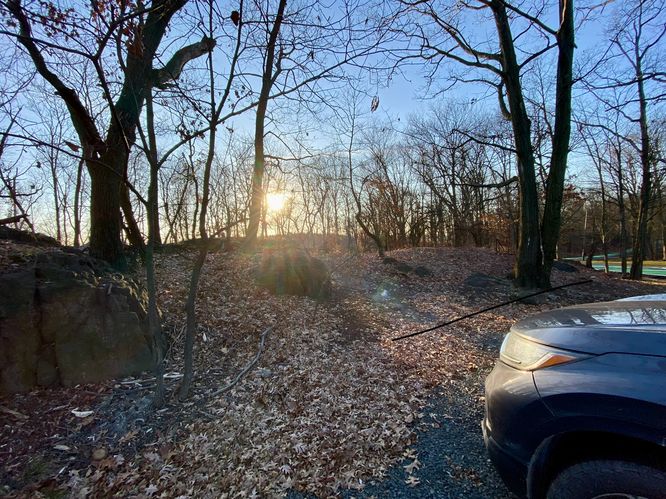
{"x": 333, "y": 407}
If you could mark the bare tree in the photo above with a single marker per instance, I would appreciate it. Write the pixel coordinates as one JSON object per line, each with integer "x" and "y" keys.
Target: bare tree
{"x": 137, "y": 32}
{"x": 302, "y": 48}
{"x": 629, "y": 78}
{"x": 442, "y": 37}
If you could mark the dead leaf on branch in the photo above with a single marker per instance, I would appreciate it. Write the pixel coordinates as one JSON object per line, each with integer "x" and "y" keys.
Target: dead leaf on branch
{"x": 374, "y": 105}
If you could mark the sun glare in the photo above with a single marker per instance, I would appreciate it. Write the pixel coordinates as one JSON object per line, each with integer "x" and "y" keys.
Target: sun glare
{"x": 275, "y": 201}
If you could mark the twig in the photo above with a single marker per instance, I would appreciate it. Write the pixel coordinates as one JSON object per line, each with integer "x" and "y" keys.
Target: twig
{"x": 58, "y": 408}
{"x": 16, "y": 414}
{"x": 247, "y": 367}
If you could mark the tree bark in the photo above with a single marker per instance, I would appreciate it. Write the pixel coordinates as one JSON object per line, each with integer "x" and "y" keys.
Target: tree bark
{"x": 640, "y": 237}
{"x": 552, "y": 213}
{"x": 528, "y": 269}
{"x": 77, "y": 204}
{"x": 133, "y": 232}
{"x": 105, "y": 223}
{"x": 154, "y": 322}
{"x": 267, "y": 80}
{"x": 604, "y": 221}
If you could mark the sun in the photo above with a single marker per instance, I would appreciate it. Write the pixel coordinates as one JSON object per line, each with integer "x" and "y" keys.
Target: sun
{"x": 275, "y": 201}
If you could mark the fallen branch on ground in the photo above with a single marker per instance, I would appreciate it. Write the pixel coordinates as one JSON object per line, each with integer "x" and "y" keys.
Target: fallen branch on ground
{"x": 247, "y": 367}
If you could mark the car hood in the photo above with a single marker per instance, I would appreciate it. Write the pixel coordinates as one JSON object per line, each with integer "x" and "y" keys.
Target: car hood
{"x": 637, "y": 327}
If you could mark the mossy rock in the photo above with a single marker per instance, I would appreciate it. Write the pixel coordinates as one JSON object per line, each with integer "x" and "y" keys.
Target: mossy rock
{"x": 293, "y": 272}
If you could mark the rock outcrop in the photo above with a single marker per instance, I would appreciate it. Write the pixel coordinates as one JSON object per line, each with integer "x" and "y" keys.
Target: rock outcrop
{"x": 293, "y": 272}
{"x": 405, "y": 268}
{"x": 564, "y": 266}
{"x": 66, "y": 319}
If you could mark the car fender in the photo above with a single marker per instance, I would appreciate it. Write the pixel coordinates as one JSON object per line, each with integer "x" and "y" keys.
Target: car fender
{"x": 565, "y": 440}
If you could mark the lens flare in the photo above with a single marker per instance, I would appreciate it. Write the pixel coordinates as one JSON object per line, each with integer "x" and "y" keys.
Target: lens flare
{"x": 275, "y": 201}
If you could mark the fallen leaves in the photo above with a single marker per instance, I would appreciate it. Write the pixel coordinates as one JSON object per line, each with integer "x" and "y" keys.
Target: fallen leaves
{"x": 332, "y": 402}
{"x": 413, "y": 466}
{"x": 412, "y": 481}
{"x": 82, "y": 414}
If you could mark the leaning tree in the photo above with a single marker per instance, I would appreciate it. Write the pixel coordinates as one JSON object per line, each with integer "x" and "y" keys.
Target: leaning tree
{"x": 118, "y": 43}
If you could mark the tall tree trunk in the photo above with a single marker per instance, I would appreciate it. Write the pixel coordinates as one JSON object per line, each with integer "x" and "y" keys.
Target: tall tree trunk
{"x": 624, "y": 236}
{"x": 552, "y": 212}
{"x": 215, "y": 109}
{"x": 195, "y": 217}
{"x": 270, "y": 71}
{"x": 157, "y": 237}
{"x": 154, "y": 322}
{"x": 53, "y": 163}
{"x": 528, "y": 269}
{"x": 604, "y": 223}
{"x": 77, "y": 204}
{"x": 105, "y": 224}
{"x": 622, "y": 210}
{"x": 640, "y": 236}
{"x": 133, "y": 231}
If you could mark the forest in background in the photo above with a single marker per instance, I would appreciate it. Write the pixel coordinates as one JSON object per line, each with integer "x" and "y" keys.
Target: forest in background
{"x": 190, "y": 115}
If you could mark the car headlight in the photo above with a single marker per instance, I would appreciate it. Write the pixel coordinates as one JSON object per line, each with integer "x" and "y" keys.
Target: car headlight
{"x": 521, "y": 353}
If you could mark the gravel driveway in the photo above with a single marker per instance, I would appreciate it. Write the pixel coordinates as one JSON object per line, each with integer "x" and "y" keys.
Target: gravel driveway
{"x": 449, "y": 448}
{"x": 453, "y": 461}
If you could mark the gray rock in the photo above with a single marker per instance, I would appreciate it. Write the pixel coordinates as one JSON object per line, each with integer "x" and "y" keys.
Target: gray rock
{"x": 564, "y": 267}
{"x": 22, "y": 236}
{"x": 65, "y": 320}
{"x": 293, "y": 272}
{"x": 486, "y": 282}
{"x": 423, "y": 271}
{"x": 532, "y": 300}
{"x": 403, "y": 267}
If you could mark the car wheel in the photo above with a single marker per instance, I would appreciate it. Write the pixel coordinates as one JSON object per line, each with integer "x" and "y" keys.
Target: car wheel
{"x": 606, "y": 479}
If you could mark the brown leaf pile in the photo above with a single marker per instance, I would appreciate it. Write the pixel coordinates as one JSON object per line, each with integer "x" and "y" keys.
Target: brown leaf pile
{"x": 317, "y": 414}
{"x": 333, "y": 402}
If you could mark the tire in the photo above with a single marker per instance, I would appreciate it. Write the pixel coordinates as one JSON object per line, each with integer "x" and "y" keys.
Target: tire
{"x": 605, "y": 479}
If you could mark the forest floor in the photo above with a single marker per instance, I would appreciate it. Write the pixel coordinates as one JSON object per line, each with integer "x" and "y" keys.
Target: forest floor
{"x": 332, "y": 408}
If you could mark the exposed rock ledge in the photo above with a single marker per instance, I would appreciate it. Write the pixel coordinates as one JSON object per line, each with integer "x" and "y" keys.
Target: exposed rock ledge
{"x": 66, "y": 319}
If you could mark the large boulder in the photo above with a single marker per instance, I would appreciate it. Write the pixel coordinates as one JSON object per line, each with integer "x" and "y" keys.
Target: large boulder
{"x": 294, "y": 272}
{"x": 22, "y": 236}
{"x": 564, "y": 266}
{"x": 67, "y": 319}
{"x": 485, "y": 282}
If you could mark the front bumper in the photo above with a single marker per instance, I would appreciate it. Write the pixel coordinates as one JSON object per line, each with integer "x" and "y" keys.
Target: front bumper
{"x": 514, "y": 412}
{"x": 512, "y": 471}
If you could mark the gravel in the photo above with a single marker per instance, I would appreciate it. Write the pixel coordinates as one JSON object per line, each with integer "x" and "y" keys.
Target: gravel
{"x": 449, "y": 447}
{"x": 453, "y": 461}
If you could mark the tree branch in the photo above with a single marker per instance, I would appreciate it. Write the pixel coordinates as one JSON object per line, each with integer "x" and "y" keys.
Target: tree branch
{"x": 83, "y": 123}
{"x": 497, "y": 185}
{"x": 247, "y": 367}
{"x": 172, "y": 70}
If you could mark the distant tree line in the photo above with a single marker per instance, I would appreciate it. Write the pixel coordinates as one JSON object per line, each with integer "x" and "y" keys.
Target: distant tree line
{"x": 117, "y": 115}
